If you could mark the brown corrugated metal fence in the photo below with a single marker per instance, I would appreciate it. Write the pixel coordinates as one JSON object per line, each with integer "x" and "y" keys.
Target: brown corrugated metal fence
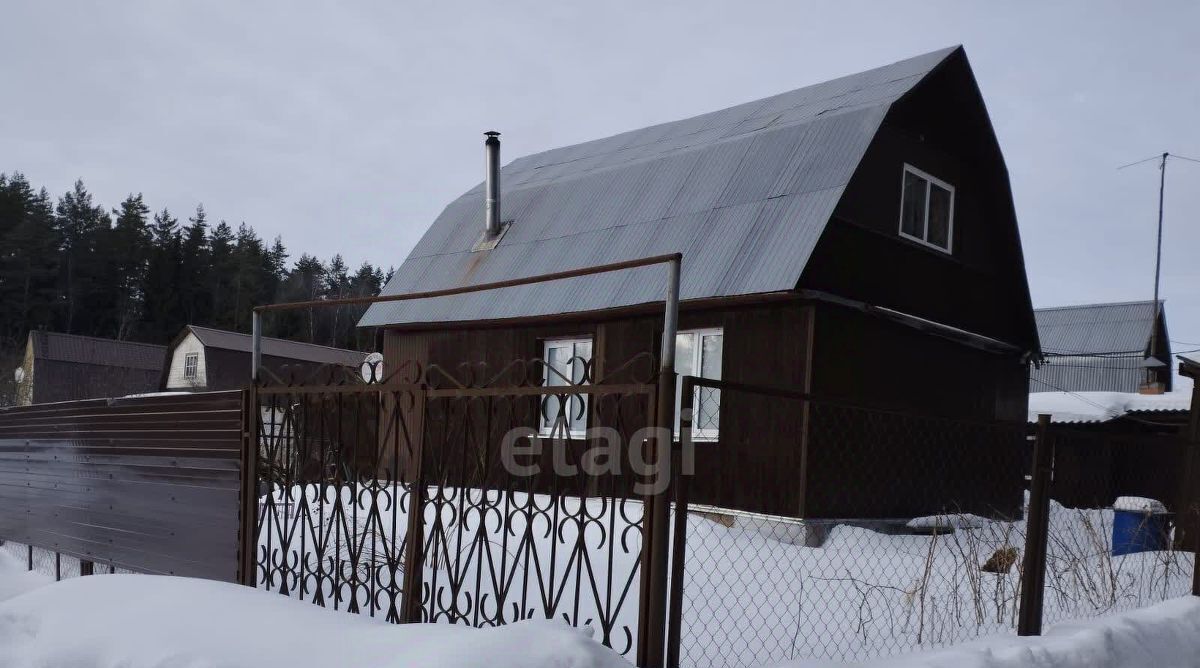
{"x": 148, "y": 484}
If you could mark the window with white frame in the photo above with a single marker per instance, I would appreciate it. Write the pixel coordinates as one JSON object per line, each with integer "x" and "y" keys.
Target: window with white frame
{"x": 927, "y": 209}
{"x": 191, "y": 363}
{"x": 566, "y": 363}
{"x": 698, "y": 353}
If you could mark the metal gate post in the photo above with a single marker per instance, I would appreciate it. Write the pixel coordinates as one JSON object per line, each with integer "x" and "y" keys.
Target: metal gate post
{"x": 687, "y": 400}
{"x": 414, "y": 537}
{"x": 1037, "y": 528}
{"x": 652, "y": 639}
{"x": 248, "y": 513}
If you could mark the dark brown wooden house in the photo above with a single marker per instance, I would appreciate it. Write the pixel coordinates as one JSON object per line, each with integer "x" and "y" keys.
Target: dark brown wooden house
{"x": 66, "y": 367}
{"x": 855, "y": 239}
{"x": 205, "y": 359}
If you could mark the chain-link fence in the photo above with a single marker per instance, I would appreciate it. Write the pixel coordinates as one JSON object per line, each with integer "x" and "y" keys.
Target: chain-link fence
{"x": 911, "y": 532}
{"x": 1121, "y": 520}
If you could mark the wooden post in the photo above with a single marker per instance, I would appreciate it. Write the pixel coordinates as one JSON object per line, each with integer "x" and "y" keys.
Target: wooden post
{"x": 1037, "y": 527}
{"x": 1189, "y": 517}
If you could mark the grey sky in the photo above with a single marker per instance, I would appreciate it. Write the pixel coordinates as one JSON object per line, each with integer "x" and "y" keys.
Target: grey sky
{"x": 347, "y": 130}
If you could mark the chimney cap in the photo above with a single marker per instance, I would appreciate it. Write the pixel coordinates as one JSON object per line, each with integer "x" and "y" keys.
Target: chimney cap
{"x": 491, "y": 133}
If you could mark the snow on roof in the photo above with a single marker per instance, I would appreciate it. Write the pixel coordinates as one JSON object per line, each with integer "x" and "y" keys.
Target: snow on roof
{"x": 1103, "y": 406}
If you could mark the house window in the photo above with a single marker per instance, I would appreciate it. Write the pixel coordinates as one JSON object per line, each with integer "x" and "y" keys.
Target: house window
{"x": 191, "y": 362}
{"x": 566, "y": 362}
{"x": 926, "y": 209}
{"x": 698, "y": 353}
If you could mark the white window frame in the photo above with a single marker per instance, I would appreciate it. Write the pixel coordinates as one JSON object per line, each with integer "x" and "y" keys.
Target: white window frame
{"x": 699, "y": 433}
{"x": 930, "y": 181}
{"x": 574, "y": 342}
{"x": 191, "y": 366}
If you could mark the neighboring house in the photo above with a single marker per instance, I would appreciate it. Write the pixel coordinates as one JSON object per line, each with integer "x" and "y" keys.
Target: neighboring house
{"x": 1118, "y": 347}
{"x": 65, "y": 367}
{"x": 855, "y": 238}
{"x": 201, "y": 358}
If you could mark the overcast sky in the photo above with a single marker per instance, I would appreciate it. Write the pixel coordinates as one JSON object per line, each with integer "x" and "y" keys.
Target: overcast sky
{"x": 347, "y": 130}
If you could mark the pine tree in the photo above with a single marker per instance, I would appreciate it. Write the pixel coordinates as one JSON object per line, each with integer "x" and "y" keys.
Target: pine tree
{"x": 81, "y": 225}
{"x": 194, "y": 271}
{"x": 163, "y": 316}
{"x": 221, "y": 275}
{"x": 29, "y": 256}
{"x": 127, "y": 255}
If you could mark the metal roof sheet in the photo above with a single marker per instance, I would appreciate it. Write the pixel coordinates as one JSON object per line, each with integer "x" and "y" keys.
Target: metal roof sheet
{"x": 1096, "y": 329}
{"x": 307, "y": 352}
{"x": 101, "y": 352}
{"x": 744, "y": 193}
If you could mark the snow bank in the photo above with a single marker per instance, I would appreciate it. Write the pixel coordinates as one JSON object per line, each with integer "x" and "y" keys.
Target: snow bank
{"x": 15, "y": 580}
{"x": 131, "y": 621}
{"x": 1166, "y": 635}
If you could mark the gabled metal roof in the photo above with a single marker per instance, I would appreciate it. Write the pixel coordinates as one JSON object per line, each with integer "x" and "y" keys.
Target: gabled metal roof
{"x": 744, "y": 193}
{"x": 1122, "y": 328}
{"x": 77, "y": 349}
{"x": 305, "y": 352}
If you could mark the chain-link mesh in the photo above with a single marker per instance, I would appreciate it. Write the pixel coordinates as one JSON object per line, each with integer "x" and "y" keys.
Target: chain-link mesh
{"x": 909, "y": 532}
{"x": 1118, "y": 514}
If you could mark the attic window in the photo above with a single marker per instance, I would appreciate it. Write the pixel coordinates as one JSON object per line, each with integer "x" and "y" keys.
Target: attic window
{"x": 191, "y": 362}
{"x": 927, "y": 209}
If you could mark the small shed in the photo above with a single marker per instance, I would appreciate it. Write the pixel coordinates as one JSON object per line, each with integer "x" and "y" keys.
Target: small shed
{"x": 67, "y": 367}
{"x": 207, "y": 359}
{"x": 1114, "y": 347}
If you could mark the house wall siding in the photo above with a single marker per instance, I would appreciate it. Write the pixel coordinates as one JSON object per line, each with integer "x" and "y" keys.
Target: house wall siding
{"x": 176, "y": 380}
{"x": 763, "y": 344}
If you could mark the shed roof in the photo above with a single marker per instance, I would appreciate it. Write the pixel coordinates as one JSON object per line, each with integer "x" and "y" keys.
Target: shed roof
{"x": 78, "y": 349}
{"x": 1084, "y": 407}
{"x": 307, "y": 352}
{"x": 1097, "y": 329}
{"x": 744, "y": 193}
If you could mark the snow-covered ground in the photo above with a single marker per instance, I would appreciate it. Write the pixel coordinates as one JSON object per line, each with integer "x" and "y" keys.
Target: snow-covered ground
{"x": 144, "y": 621}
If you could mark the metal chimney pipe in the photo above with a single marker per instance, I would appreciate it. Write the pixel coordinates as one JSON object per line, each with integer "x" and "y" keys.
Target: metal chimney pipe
{"x": 491, "y": 183}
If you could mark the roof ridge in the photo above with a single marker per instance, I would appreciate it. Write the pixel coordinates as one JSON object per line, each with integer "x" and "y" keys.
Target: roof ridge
{"x": 100, "y": 338}
{"x": 1099, "y": 304}
{"x": 275, "y": 338}
{"x": 944, "y": 53}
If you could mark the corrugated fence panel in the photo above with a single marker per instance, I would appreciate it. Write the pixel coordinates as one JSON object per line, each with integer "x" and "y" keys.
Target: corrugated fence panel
{"x": 148, "y": 484}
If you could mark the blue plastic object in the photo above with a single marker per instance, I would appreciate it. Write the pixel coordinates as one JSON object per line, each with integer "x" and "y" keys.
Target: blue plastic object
{"x": 1139, "y": 531}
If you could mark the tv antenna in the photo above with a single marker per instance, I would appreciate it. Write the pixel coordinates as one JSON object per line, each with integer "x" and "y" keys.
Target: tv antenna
{"x": 1162, "y": 186}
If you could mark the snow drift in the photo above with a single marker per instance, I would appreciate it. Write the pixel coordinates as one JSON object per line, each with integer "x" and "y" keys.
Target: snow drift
{"x": 136, "y": 621}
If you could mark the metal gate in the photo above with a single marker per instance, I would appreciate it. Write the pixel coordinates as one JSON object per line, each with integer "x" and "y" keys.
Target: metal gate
{"x": 461, "y": 496}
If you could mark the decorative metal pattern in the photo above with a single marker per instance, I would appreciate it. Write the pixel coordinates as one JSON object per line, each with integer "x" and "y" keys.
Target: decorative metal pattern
{"x": 514, "y": 519}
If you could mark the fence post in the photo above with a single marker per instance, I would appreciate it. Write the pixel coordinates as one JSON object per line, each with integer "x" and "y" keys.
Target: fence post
{"x": 248, "y": 512}
{"x": 687, "y": 399}
{"x": 1037, "y": 526}
{"x": 655, "y": 547}
{"x": 1191, "y": 487}
{"x": 414, "y": 537}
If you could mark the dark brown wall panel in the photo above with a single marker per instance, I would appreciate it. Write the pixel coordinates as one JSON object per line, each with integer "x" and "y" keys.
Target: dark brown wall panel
{"x": 756, "y": 463}
{"x": 149, "y": 484}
